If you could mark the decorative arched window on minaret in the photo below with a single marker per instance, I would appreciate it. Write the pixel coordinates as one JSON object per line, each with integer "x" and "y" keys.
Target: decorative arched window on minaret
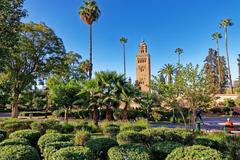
{"x": 143, "y": 67}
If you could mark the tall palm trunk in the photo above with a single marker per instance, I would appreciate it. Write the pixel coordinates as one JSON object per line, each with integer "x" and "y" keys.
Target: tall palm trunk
{"x": 124, "y": 60}
{"x": 66, "y": 114}
{"x": 108, "y": 113}
{"x": 227, "y": 55}
{"x": 95, "y": 115}
{"x": 125, "y": 112}
{"x": 178, "y": 58}
{"x": 219, "y": 68}
{"x": 90, "y": 58}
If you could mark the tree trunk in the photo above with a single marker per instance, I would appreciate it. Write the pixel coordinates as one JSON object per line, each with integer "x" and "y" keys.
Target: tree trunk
{"x": 90, "y": 58}
{"x": 227, "y": 55}
{"x": 178, "y": 59}
{"x": 125, "y": 112}
{"x": 66, "y": 115}
{"x": 109, "y": 116}
{"x": 95, "y": 115}
{"x": 124, "y": 61}
{"x": 184, "y": 119}
{"x": 14, "y": 113}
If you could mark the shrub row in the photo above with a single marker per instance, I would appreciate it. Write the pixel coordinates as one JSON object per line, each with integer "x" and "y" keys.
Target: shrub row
{"x": 34, "y": 113}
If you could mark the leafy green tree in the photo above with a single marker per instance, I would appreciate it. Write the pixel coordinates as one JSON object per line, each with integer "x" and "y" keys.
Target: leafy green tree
{"x": 216, "y": 36}
{"x": 225, "y": 23}
{"x": 11, "y": 12}
{"x": 123, "y": 41}
{"x": 90, "y": 13}
{"x": 179, "y": 51}
{"x": 38, "y": 52}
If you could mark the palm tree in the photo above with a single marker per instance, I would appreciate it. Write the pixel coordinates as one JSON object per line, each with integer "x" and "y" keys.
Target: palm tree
{"x": 216, "y": 36}
{"x": 179, "y": 51}
{"x": 168, "y": 70}
{"x": 89, "y": 13}
{"x": 225, "y": 23}
{"x": 124, "y": 40}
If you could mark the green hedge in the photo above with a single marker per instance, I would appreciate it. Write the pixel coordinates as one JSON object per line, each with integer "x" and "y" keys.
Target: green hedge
{"x": 87, "y": 126}
{"x": 12, "y": 125}
{"x": 55, "y": 146}
{"x": 42, "y": 126}
{"x": 31, "y": 135}
{"x": 15, "y": 141}
{"x": 67, "y": 128}
{"x": 111, "y": 131}
{"x": 73, "y": 153}
{"x": 81, "y": 137}
{"x": 162, "y": 149}
{"x": 129, "y": 152}
{"x": 78, "y": 114}
{"x": 53, "y": 137}
{"x": 208, "y": 143}
{"x": 155, "y": 135}
{"x": 18, "y": 152}
{"x": 194, "y": 152}
{"x": 100, "y": 146}
{"x": 126, "y": 137}
{"x": 132, "y": 127}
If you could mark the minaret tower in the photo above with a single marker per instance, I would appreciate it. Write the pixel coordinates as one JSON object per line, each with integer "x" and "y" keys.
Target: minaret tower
{"x": 143, "y": 67}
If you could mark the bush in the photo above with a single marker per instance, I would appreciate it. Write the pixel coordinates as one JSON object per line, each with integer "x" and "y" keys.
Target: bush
{"x": 4, "y": 133}
{"x": 134, "y": 114}
{"x": 15, "y": 141}
{"x": 31, "y": 135}
{"x": 81, "y": 137}
{"x": 78, "y": 114}
{"x": 45, "y": 125}
{"x": 72, "y": 153}
{"x": 129, "y": 152}
{"x": 53, "y": 147}
{"x": 132, "y": 127}
{"x": 2, "y": 137}
{"x": 87, "y": 126}
{"x": 162, "y": 149}
{"x": 194, "y": 152}
{"x": 229, "y": 103}
{"x": 12, "y": 125}
{"x": 155, "y": 135}
{"x": 126, "y": 137}
{"x": 18, "y": 152}
{"x": 207, "y": 142}
{"x": 100, "y": 146}
{"x": 53, "y": 137}
{"x": 67, "y": 128}
{"x": 232, "y": 146}
{"x": 111, "y": 131}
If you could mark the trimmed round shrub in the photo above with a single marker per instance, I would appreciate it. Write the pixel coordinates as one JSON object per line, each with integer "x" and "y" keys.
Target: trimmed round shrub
{"x": 31, "y": 135}
{"x": 67, "y": 128}
{"x": 53, "y": 147}
{"x": 194, "y": 152}
{"x": 18, "y": 152}
{"x": 45, "y": 125}
{"x": 81, "y": 137}
{"x": 53, "y": 137}
{"x": 126, "y": 137}
{"x": 162, "y": 149}
{"x": 3, "y": 135}
{"x": 207, "y": 142}
{"x": 100, "y": 146}
{"x": 12, "y": 125}
{"x": 232, "y": 146}
{"x": 155, "y": 135}
{"x": 132, "y": 127}
{"x": 129, "y": 152}
{"x": 87, "y": 126}
{"x": 51, "y": 131}
{"x": 73, "y": 153}
{"x": 15, "y": 141}
{"x": 111, "y": 131}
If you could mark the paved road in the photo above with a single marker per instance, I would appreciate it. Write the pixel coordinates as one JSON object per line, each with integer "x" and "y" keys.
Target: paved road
{"x": 209, "y": 123}
{"x": 5, "y": 114}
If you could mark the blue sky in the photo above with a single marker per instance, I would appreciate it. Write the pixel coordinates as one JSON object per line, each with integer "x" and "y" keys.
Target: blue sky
{"x": 163, "y": 24}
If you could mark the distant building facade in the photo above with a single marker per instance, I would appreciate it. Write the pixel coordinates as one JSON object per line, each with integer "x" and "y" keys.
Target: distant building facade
{"x": 143, "y": 68}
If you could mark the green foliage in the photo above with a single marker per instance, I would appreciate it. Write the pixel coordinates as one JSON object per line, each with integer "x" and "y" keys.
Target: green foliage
{"x": 34, "y": 113}
{"x": 162, "y": 149}
{"x": 126, "y": 137}
{"x": 81, "y": 137}
{"x": 130, "y": 152}
{"x": 111, "y": 131}
{"x": 207, "y": 142}
{"x": 72, "y": 153}
{"x": 53, "y": 147}
{"x": 86, "y": 125}
{"x": 3, "y": 135}
{"x": 31, "y": 135}
{"x": 232, "y": 146}
{"x": 53, "y": 137}
{"x": 100, "y": 147}
{"x": 12, "y": 125}
{"x": 42, "y": 126}
{"x": 77, "y": 114}
{"x": 229, "y": 103}
{"x": 194, "y": 152}
{"x": 155, "y": 135}
{"x": 18, "y": 152}
{"x": 67, "y": 128}
{"x": 15, "y": 141}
